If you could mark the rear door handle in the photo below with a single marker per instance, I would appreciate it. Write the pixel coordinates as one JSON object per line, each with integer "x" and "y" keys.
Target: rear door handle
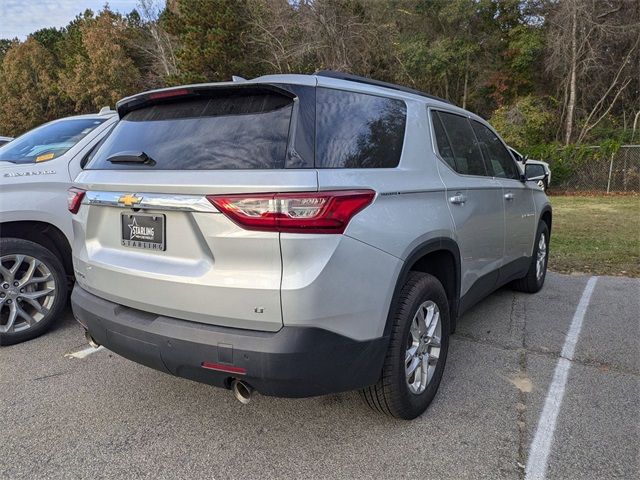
{"x": 458, "y": 199}
{"x": 509, "y": 196}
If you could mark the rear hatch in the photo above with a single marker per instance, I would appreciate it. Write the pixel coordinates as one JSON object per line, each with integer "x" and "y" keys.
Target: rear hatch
{"x": 146, "y": 234}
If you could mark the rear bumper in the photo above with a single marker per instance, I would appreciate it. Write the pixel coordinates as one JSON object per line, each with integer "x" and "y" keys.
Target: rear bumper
{"x": 293, "y": 362}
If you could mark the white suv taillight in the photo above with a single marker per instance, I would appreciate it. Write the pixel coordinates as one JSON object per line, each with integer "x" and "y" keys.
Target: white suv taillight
{"x": 74, "y": 199}
{"x": 305, "y": 212}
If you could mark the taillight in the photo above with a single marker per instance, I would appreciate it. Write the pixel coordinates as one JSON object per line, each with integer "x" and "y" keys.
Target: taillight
{"x": 74, "y": 199}
{"x": 306, "y": 212}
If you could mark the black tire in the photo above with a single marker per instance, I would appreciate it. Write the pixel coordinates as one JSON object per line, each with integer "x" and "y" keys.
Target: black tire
{"x": 392, "y": 395}
{"x": 531, "y": 282}
{"x": 17, "y": 246}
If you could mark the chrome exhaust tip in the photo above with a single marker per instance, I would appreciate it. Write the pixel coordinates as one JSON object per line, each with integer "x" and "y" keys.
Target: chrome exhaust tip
{"x": 242, "y": 391}
{"x": 90, "y": 339}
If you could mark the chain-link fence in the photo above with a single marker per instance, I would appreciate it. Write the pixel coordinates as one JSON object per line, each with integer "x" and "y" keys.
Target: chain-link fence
{"x": 598, "y": 170}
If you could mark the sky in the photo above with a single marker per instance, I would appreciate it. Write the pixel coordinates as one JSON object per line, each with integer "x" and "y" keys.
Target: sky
{"x": 18, "y": 18}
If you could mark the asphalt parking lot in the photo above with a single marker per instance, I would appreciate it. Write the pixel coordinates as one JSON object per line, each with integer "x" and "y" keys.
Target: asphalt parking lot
{"x": 105, "y": 417}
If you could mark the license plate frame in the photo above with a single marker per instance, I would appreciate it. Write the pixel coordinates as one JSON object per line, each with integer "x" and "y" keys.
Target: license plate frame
{"x": 144, "y": 231}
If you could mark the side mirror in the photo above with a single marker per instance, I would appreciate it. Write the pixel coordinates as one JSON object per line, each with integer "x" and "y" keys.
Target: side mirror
{"x": 534, "y": 172}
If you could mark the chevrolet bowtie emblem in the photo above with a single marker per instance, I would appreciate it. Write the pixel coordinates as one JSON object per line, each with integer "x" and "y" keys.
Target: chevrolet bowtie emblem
{"x": 129, "y": 200}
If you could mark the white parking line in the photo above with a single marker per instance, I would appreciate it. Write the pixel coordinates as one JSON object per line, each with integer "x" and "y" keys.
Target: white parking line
{"x": 85, "y": 352}
{"x": 540, "y": 448}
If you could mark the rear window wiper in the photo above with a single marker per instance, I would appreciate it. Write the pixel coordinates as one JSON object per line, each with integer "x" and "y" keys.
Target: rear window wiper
{"x": 132, "y": 157}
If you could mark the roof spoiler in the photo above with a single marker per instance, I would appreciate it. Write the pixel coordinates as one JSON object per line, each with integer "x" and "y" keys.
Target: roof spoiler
{"x": 153, "y": 97}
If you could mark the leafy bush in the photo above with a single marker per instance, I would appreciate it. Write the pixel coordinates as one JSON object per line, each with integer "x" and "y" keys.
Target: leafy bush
{"x": 576, "y": 166}
{"x": 529, "y": 121}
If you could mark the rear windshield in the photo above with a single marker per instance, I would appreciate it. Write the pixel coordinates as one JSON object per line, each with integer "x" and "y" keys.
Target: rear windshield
{"x": 230, "y": 131}
{"x": 48, "y": 141}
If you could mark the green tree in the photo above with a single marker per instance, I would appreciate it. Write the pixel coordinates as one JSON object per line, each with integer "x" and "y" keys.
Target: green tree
{"x": 48, "y": 38}
{"x": 441, "y": 46}
{"x": 28, "y": 88}
{"x": 5, "y": 45}
{"x": 527, "y": 122}
{"x": 479, "y": 54}
{"x": 307, "y": 35}
{"x": 485, "y": 55}
{"x": 102, "y": 71}
{"x": 211, "y": 36}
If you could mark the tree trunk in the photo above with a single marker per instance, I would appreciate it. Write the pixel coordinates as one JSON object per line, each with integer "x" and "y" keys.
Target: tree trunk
{"x": 466, "y": 82}
{"x": 446, "y": 86}
{"x": 572, "y": 81}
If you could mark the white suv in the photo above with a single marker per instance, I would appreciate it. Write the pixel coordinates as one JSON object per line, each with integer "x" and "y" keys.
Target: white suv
{"x": 541, "y": 168}
{"x": 36, "y": 169}
{"x": 299, "y": 235}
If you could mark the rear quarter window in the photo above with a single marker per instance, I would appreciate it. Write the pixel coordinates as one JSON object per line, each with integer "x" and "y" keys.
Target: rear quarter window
{"x": 356, "y": 130}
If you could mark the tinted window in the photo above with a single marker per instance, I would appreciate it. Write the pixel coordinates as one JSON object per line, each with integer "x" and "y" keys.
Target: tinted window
{"x": 535, "y": 170}
{"x": 233, "y": 130}
{"x": 516, "y": 155}
{"x": 48, "y": 141}
{"x": 356, "y": 130}
{"x": 91, "y": 153}
{"x": 302, "y": 148}
{"x": 467, "y": 155}
{"x": 495, "y": 152}
{"x": 444, "y": 147}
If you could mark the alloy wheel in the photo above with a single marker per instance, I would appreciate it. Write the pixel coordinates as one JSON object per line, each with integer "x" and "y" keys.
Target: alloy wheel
{"x": 27, "y": 292}
{"x": 541, "y": 257}
{"x": 423, "y": 347}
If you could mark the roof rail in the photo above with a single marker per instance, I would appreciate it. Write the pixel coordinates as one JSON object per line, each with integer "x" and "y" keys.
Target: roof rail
{"x": 377, "y": 83}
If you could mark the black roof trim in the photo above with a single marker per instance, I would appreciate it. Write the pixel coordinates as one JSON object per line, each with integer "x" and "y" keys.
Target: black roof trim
{"x": 377, "y": 83}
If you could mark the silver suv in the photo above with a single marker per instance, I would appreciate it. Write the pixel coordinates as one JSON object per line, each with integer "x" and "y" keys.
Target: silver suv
{"x": 300, "y": 235}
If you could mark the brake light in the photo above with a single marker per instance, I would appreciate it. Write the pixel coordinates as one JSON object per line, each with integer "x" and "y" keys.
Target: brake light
{"x": 74, "y": 199}
{"x": 306, "y": 212}
{"x": 169, "y": 93}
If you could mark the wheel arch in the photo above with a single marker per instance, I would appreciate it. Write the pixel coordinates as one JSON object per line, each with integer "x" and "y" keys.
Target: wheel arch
{"x": 547, "y": 216}
{"x": 46, "y": 234}
{"x": 439, "y": 257}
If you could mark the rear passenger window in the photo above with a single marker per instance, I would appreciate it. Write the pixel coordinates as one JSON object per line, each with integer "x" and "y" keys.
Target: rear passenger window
{"x": 467, "y": 156}
{"x": 356, "y": 130}
{"x": 495, "y": 152}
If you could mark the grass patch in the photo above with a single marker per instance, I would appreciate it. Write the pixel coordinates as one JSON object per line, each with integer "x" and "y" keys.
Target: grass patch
{"x": 596, "y": 234}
